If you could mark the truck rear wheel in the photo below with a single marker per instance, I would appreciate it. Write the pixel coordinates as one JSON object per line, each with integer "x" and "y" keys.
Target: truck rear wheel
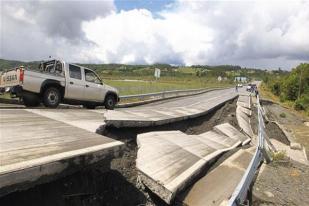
{"x": 31, "y": 100}
{"x": 51, "y": 97}
{"x": 110, "y": 102}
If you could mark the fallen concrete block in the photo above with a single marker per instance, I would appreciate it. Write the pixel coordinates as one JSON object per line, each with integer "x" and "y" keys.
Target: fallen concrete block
{"x": 244, "y": 122}
{"x": 244, "y": 101}
{"x": 228, "y": 142}
{"x": 295, "y": 146}
{"x": 245, "y": 110}
{"x": 168, "y": 161}
{"x": 232, "y": 132}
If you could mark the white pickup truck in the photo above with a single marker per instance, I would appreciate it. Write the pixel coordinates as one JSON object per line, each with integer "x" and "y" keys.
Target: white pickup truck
{"x": 56, "y": 82}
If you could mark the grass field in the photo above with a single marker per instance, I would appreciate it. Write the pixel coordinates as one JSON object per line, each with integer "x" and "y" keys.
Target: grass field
{"x": 149, "y": 86}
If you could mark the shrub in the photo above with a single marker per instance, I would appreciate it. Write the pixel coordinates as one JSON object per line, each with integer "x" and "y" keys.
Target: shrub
{"x": 282, "y": 115}
{"x": 302, "y": 103}
{"x": 275, "y": 88}
{"x": 282, "y": 97}
{"x": 279, "y": 156}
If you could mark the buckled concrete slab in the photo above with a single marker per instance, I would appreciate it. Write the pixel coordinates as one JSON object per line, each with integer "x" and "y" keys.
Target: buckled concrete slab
{"x": 245, "y": 110}
{"x": 243, "y": 114}
{"x": 36, "y": 149}
{"x": 216, "y": 187}
{"x": 168, "y": 161}
{"x": 232, "y": 132}
{"x": 244, "y": 124}
{"x": 244, "y": 101}
{"x": 221, "y": 139}
{"x": 170, "y": 111}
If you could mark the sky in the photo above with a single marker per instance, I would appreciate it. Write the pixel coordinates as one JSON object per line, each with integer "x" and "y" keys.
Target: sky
{"x": 256, "y": 34}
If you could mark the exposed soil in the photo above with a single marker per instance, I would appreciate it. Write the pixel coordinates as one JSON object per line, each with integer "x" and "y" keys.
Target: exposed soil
{"x": 120, "y": 185}
{"x": 282, "y": 183}
{"x": 274, "y": 110}
{"x": 274, "y": 132}
{"x": 293, "y": 123}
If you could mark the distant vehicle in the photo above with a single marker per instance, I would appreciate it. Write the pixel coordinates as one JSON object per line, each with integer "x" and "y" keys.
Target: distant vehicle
{"x": 239, "y": 85}
{"x": 55, "y": 82}
{"x": 251, "y": 87}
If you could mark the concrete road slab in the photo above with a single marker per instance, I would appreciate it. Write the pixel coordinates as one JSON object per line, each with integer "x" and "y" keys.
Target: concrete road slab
{"x": 89, "y": 120}
{"x": 221, "y": 139}
{"x": 232, "y": 132}
{"x": 217, "y": 187}
{"x": 11, "y": 106}
{"x": 242, "y": 111}
{"x": 168, "y": 161}
{"x": 36, "y": 149}
{"x": 243, "y": 104}
{"x": 244, "y": 124}
{"x": 168, "y": 111}
{"x": 245, "y": 110}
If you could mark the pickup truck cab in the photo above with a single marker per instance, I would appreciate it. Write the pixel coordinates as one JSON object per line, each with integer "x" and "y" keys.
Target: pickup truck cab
{"x": 55, "y": 82}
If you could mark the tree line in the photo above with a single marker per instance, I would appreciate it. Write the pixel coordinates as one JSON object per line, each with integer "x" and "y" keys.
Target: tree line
{"x": 292, "y": 86}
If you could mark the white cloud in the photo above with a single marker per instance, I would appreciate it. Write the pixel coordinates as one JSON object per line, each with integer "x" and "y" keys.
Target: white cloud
{"x": 267, "y": 34}
{"x": 256, "y": 33}
{"x": 34, "y": 30}
{"x": 145, "y": 39}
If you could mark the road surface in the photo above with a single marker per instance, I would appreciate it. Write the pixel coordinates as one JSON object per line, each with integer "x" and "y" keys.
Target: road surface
{"x": 169, "y": 111}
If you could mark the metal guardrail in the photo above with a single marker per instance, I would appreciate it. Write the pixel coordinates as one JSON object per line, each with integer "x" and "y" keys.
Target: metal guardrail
{"x": 166, "y": 94}
{"x": 240, "y": 194}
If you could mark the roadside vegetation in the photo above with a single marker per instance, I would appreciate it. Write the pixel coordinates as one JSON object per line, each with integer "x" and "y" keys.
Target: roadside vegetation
{"x": 291, "y": 89}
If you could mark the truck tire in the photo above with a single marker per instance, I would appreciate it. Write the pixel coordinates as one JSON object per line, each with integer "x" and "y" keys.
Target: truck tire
{"x": 51, "y": 97}
{"x": 110, "y": 102}
{"x": 31, "y": 100}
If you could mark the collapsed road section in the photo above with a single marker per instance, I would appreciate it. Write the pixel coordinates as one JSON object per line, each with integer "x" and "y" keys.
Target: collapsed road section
{"x": 168, "y": 161}
{"x": 36, "y": 149}
{"x": 169, "y": 111}
{"x": 243, "y": 113}
{"x": 204, "y": 139}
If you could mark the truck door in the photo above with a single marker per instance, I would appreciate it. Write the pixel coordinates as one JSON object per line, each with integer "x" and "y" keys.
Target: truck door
{"x": 94, "y": 89}
{"x": 75, "y": 83}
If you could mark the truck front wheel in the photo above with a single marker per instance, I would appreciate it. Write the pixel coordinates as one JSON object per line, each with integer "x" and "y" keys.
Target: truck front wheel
{"x": 51, "y": 97}
{"x": 110, "y": 102}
